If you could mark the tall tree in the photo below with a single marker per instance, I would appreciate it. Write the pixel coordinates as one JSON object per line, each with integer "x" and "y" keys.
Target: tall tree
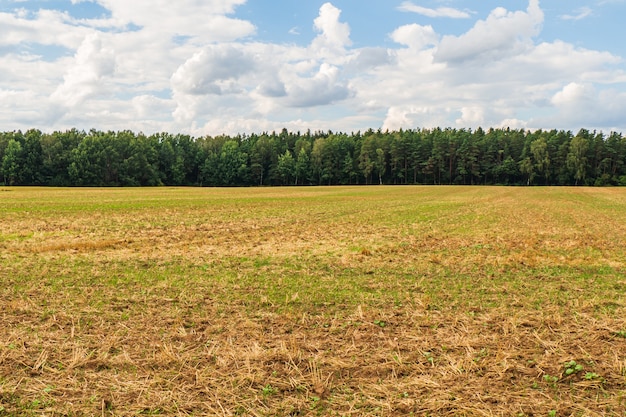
{"x": 367, "y": 157}
{"x": 380, "y": 164}
{"x": 539, "y": 150}
{"x": 577, "y": 158}
{"x": 56, "y": 150}
{"x": 12, "y": 163}
{"x": 321, "y": 162}
{"x": 303, "y": 164}
{"x": 262, "y": 159}
{"x": 32, "y": 158}
{"x": 286, "y": 167}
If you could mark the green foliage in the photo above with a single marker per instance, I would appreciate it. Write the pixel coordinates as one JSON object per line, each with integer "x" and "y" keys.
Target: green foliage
{"x": 268, "y": 390}
{"x": 286, "y": 167}
{"x": 420, "y": 156}
{"x": 12, "y": 163}
{"x": 572, "y": 367}
{"x": 577, "y": 159}
{"x": 589, "y": 376}
{"x": 551, "y": 379}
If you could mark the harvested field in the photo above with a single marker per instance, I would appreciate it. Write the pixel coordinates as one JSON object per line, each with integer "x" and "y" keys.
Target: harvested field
{"x": 364, "y": 301}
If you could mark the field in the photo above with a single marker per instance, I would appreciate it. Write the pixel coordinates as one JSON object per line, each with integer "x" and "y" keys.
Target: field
{"x": 330, "y": 301}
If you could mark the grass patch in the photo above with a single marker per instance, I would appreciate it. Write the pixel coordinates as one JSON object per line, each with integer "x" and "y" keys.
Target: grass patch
{"x": 313, "y": 301}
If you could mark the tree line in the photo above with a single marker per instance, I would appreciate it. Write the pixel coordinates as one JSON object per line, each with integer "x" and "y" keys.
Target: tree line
{"x": 417, "y": 156}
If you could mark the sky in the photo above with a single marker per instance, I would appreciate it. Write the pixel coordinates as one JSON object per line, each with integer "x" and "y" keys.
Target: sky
{"x": 211, "y": 67}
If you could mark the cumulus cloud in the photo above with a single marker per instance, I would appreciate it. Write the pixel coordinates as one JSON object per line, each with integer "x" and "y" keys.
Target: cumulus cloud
{"x": 93, "y": 62}
{"x": 194, "y": 68}
{"x": 334, "y": 36}
{"x": 145, "y": 106}
{"x": 408, "y": 6}
{"x": 501, "y": 34}
{"x": 584, "y": 105}
{"x": 271, "y": 79}
{"x": 559, "y": 61}
{"x": 272, "y": 88}
{"x": 323, "y": 88}
{"x": 415, "y": 36}
{"x": 471, "y": 116}
{"x": 212, "y": 71}
{"x": 369, "y": 58}
{"x": 200, "y": 19}
{"x": 573, "y": 94}
{"x": 46, "y": 27}
{"x": 443, "y": 83}
{"x": 412, "y": 116}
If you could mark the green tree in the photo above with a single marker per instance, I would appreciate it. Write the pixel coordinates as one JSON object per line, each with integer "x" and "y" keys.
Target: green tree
{"x": 577, "y": 158}
{"x": 231, "y": 164}
{"x": 262, "y": 159}
{"x": 349, "y": 170}
{"x": 56, "y": 149}
{"x": 141, "y": 166}
{"x": 87, "y": 162}
{"x": 400, "y": 154}
{"x": 507, "y": 170}
{"x": 12, "y": 163}
{"x": 539, "y": 150}
{"x": 616, "y": 151}
{"x": 439, "y": 155}
{"x": 209, "y": 175}
{"x": 286, "y": 167}
{"x": 303, "y": 164}
{"x": 527, "y": 168}
{"x": 32, "y": 158}
{"x": 380, "y": 164}
{"x": 321, "y": 164}
{"x": 367, "y": 156}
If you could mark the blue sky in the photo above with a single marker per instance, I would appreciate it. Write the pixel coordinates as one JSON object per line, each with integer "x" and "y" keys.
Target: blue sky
{"x": 235, "y": 66}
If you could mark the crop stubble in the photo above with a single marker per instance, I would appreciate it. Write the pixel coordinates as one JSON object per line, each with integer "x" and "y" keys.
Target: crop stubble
{"x": 313, "y": 301}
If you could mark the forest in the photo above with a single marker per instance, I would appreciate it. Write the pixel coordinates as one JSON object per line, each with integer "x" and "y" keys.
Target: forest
{"x": 416, "y": 156}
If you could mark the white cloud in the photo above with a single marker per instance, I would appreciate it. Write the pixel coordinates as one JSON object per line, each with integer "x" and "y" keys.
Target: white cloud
{"x": 408, "y": 6}
{"x": 334, "y": 36}
{"x": 413, "y": 116}
{"x": 321, "y": 89}
{"x": 145, "y": 106}
{"x": 503, "y": 33}
{"x": 264, "y": 78}
{"x": 580, "y": 14}
{"x": 497, "y": 82}
{"x": 204, "y": 20}
{"x": 573, "y": 93}
{"x": 272, "y": 88}
{"x": 214, "y": 70}
{"x": 584, "y": 105}
{"x": 562, "y": 61}
{"x": 367, "y": 59}
{"x": 92, "y": 63}
{"x": 193, "y": 68}
{"x": 471, "y": 116}
{"x": 415, "y": 36}
{"x": 47, "y": 27}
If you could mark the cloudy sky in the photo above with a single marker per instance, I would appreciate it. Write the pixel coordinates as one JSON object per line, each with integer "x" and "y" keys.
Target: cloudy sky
{"x": 243, "y": 66}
